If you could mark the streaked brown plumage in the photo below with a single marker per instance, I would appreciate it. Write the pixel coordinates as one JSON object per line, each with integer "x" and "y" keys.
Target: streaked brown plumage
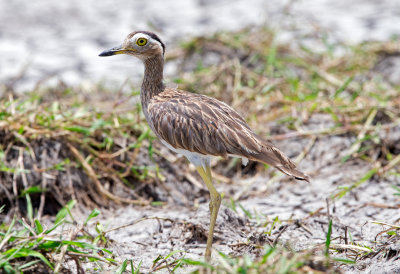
{"x": 201, "y": 124}
{"x": 195, "y": 125}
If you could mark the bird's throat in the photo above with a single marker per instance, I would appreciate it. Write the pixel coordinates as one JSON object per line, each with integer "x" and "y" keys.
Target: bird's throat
{"x": 153, "y": 78}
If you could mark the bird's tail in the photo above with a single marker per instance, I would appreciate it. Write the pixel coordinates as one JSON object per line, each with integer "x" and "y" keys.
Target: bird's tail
{"x": 274, "y": 157}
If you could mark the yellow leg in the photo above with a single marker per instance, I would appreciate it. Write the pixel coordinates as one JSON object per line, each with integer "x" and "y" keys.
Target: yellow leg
{"x": 215, "y": 202}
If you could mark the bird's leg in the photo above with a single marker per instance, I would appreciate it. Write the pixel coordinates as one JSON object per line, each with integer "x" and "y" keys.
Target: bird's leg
{"x": 205, "y": 173}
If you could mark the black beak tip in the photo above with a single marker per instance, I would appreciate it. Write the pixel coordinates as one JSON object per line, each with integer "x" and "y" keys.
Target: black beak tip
{"x": 106, "y": 53}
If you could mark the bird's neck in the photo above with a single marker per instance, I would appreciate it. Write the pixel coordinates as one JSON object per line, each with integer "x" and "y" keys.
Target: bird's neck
{"x": 153, "y": 78}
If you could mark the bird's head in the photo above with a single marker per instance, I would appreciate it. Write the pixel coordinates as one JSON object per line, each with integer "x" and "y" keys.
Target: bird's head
{"x": 142, "y": 44}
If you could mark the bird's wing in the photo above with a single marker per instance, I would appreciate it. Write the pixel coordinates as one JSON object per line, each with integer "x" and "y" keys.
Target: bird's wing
{"x": 202, "y": 124}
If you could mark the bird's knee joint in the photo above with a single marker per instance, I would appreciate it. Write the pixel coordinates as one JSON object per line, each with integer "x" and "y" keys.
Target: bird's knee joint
{"x": 218, "y": 198}
{"x": 216, "y": 201}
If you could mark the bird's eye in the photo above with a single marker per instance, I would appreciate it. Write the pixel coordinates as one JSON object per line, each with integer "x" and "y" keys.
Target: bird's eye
{"x": 141, "y": 42}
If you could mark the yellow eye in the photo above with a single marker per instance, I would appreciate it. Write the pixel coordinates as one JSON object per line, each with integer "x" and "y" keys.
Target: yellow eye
{"x": 141, "y": 42}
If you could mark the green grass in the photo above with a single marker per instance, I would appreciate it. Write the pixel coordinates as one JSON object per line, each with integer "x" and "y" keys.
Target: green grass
{"x": 32, "y": 245}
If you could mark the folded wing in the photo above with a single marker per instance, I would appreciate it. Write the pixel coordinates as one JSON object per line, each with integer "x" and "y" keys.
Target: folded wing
{"x": 202, "y": 124}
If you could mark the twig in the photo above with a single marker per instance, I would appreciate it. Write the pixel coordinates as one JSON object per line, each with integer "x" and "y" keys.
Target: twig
{"x": 15, "y": 189}
{"x": 357, "y": 144}
{"x": 138, "y": 221}
{"x": 279, "y": 235}
{"x": 26, "y": 143}
{"x": 239, "y": 244}
{"x": 222, "y": 178}
{"x": 79, "y": 268}
{"x": 117, "y": 153}
{"x": 8, "y": 194}
{"x": 89, "y": 170}
{"x": 71, "y": 185}
{"x": 42, "y": 196}
{"x": 159, "y": 266}
{"x": 132, "y": 160}
{"x": 382, "y": 232}
{"x": 395, "y": 161}
{"x": 72, "y": 254}
{"x": 5, "y": 240}
{"x": 303, "y": 226}
{"x": 306, "y": 150}
{"x": 12, "y": 103}
{"x": 28, "y": 227}
{"x": 382, "y": 223}
{"x": 379, "y": 205}
{"x": 351, "y": 247}
{"x": 237, "y": 79}
{"x": 328, "y": 213}
{"x": 71, "y": 235}
{"x": 24, "y": 179}
{"x": 194, "y": 181}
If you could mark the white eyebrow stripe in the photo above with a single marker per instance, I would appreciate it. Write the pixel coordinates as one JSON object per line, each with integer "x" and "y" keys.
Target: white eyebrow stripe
{"x": 140, "y": 35}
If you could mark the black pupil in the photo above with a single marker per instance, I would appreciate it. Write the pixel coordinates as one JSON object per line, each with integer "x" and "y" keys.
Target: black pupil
{"x": 141, "y": 41}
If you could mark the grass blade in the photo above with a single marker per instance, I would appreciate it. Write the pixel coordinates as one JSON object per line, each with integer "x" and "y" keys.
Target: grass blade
{"x": 198, "y": 263}
{"x": 328, "y": 239}
{"x": 38, "y": 227}
{"x": 122, "y": 268}
{"x": 92, "y": 214}
{"x": 343, "y": 87}
{"x": 64, "y": 211}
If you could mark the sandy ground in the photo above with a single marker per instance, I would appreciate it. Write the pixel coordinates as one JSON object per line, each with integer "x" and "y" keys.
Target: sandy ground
{"x": 50, "y": 41}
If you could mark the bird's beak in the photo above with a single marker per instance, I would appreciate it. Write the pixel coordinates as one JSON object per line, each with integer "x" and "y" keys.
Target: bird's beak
{"x": 113, "y": 51}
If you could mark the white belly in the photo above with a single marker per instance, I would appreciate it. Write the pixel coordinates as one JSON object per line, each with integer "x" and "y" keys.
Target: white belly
{"x": 195, "y": 158}
{"x": 198, "y": 159}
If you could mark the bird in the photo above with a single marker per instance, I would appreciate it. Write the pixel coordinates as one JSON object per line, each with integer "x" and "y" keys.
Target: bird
{"x": 194, "y": 125}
